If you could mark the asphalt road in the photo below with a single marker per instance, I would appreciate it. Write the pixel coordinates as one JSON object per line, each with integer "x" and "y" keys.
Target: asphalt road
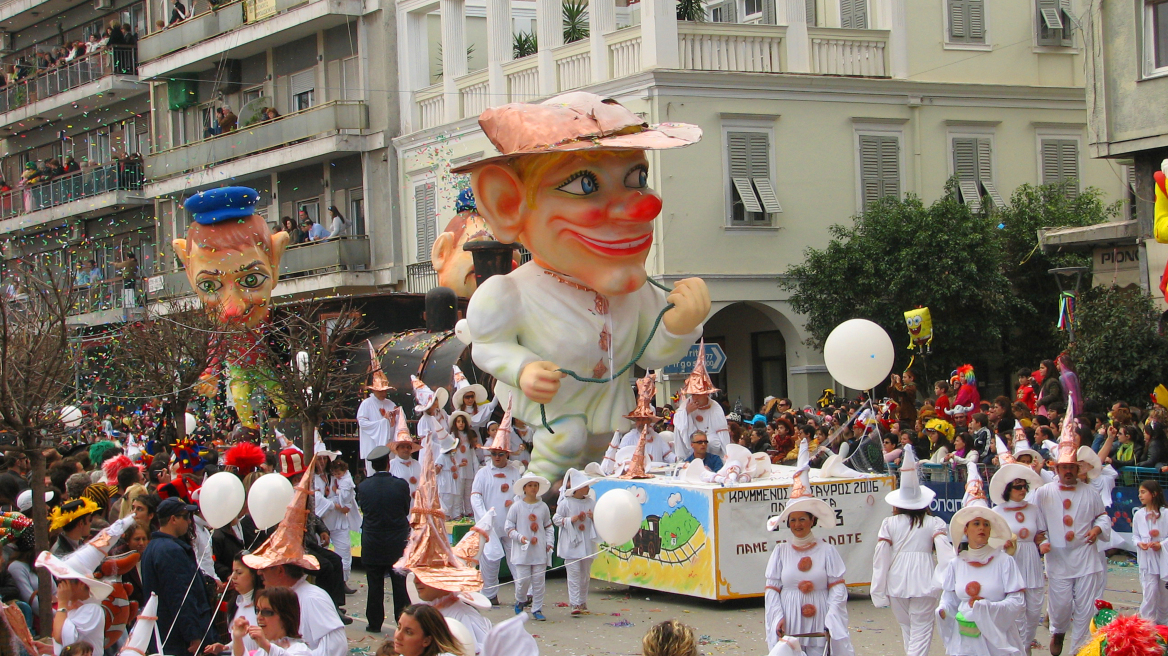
{"x": 620, "y": 616}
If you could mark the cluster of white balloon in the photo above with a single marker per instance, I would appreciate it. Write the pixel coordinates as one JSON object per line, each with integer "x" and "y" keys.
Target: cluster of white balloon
{"x": 221, "y": 498}
{"x": 859, "y": 354}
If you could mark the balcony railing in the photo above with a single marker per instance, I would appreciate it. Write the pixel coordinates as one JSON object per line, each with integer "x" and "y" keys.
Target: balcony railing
{"x": 283, "y": 131}
{"x": 848, "y": 52}
{"x": 421, "y": 277}
{"x": 729, "y": 47}
{"x": 107, "y": 295}
{"x": 45, "y": 83}
{"x": 223, "y": 18}
{"x": 120, "y": 176}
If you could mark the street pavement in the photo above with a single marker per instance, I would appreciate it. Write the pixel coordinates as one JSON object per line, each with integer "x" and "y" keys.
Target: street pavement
{"x": 620, "y": 616}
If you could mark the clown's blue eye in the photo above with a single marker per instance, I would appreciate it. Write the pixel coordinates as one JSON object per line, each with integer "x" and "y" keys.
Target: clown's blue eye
{"x": 638, "y": 178}
{"x": 581, "y": 183}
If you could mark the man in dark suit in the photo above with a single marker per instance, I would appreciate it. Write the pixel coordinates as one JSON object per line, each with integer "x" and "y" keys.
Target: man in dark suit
{"x": 385, "y": 504}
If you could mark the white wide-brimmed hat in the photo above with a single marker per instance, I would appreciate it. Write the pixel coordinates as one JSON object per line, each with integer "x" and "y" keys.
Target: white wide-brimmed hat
{"x": 801, "y": 499}
{"x": 97, "y": 589}
{"x": 426, "y": 398}
{"x": 999, "y": 529}
{"x": 462, "y": 386}
{"x": 835, "y": 467}
{"x": 760, "y": 466}
{"x": 911, "y": 495}
{"x": 1089, "y": 459}
{"x": 575, "y": 479}
{"x": 460, "y": 413}
{"x": 593, "y": 469}
{"x": 1006, "y": 475}
{"x": 446, "y": 443}
{"x": 736, "y": 453}
{"x": 1022, "y": 448}
{"x": 476, "y": 599}
{"x": 695, "y": 471}
{"x": 544, "y": 484}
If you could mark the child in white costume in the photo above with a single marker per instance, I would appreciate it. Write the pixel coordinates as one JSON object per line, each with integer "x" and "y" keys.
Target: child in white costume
{"x": 466, "y": 456}
{"x": 339, "y": 510}
{"x": 577, "y": 542}
{"x": 1149, "y": 527}
{"x": 433, "y": 421}
{"x": 903, "y": 565}
{"x": 494, "y": 490}
{"x": 805, "y": 588}
{"x": 446, "y": 467}
{"x": 982, "y": 598}
{"x": 402, "y": 464}
{"x": 529, "y": 526}
{"x": 1009, "y": 488}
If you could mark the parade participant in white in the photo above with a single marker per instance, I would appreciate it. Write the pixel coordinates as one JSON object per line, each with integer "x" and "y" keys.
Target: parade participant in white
{"x": 472, "y": 399}
{"x": 1009, "y": 487}
{"x": 699, "y": 413}
{"x": 1101, "y": 478}
{"x": 1072, "y": 517}
{"x": 1149, "y": 527}
{"x": 466, "y": 457}
{"x": 577, "y": 542}
{"x": 657, "y": 447}
{"x": 446, "y": 468}
{"x": 79, "y": 616}
{"x": 494, "y": 490}
{"x": 806, "y": 596}
{"x": 340, "y": 513}
{"x": 433, "y": 422}
{"x": 374, "y": 422}
{"x": 982, "y": 598}
{"x": 903, "y": 565}
{"x": 402, "y": 465}
{"x": 529, "y": 526}
{"x": 463, "y": 607}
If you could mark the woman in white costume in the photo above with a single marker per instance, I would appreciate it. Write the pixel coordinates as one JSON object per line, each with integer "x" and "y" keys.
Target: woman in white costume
{"x": 982, "y": 595}
{"x": 1009, "y": 488}
{"x": 806, "y": 596}
{"x": 1149, "y": 527}
{"x": 903, "y": 565}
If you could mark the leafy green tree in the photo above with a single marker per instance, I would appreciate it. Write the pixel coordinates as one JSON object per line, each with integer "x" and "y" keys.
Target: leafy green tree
{"x": 901, "y": 254}
{"x": 1118, "y": 351}
{"x": 1033, "y": 333}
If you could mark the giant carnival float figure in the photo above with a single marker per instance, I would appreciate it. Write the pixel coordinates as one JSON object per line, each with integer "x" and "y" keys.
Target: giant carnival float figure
{"x": 561, "y": 332}
{"x": 232, "y": 261}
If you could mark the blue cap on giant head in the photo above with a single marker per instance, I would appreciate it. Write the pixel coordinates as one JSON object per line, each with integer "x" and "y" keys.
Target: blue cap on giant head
{"x": 222, "y": 204}
{"x": 465, "y": 202}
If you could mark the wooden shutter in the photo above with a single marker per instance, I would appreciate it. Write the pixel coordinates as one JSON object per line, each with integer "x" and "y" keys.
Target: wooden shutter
{"x": 1068, "y": 23}
{"x": 975, "y": 11}
{"x": 810, "y": 6}
{"x": 1051, "y": 13}
{"x": 769, "y": 16}
{"x": 1055, "y": 26}
{"x": 958, "y": 21}
{"x": 1060, "y": 162}
{"x": 965, "y": 168}
{"x": 854, "y": 14}
{"x": 741, "y": 168}
{"x": 334, "y": 81}
{"x": 879, "y": 167}
{"x": 727, "y": 12}
{"x": 985, "y": 172}
{"x": 425, "y": 215}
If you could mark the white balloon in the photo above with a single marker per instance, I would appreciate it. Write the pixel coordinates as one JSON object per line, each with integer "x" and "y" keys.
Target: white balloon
{"x": 859, "y": 354}
{"x": 463, "y": 635}
{"x": 221, "y": 498}
{"x": 617, "y": 516}
{"x": 270, "y": 496}
{"x": 70, "y": 416}
{"x": 192, "y": 423}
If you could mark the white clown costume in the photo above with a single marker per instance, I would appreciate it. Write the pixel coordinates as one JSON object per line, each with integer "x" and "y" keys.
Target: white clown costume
{"x": 407, "y": 468}
{"x": 494, "y": 489}
{"x": 577, "y": 542}
{"x": 447, "y": 470}
{"x": 690, "y": 417}
{"x": 982, "y": 598}
{"x": 529, "y": 527}
{"x": 903, "y": 566}
{"x": 806, "y": 596}
{"x": 433, "y": 422}
{"x": 1148, "y": 531}
{"x": 1022, "y": 519}
{"x": 374, "y": 421}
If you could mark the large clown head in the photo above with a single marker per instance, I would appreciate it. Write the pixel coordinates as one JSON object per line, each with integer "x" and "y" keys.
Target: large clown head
{"x": 455, "y": 266}
{"x": 231, "y": 256}
{"x": 572, "y": 185}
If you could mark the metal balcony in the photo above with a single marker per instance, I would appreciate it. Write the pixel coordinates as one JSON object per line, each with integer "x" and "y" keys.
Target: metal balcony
{"x": 79, "y": 86}
{"x": 109, "y": 184}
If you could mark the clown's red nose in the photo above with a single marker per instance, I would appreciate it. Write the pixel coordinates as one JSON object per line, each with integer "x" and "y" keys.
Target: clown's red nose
{"x": 645, "y": 207}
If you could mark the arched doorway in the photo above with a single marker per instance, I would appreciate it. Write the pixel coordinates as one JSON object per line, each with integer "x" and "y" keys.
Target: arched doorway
{"x": 756, "y": 353}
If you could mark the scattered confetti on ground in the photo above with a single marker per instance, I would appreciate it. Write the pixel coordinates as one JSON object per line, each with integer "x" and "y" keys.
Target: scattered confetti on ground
{"x": 620, "y": 625}
{"x": 707, "y": 640}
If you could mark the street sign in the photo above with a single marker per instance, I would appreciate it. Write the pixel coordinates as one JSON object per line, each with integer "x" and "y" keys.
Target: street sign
{"x": 715, "y": 360}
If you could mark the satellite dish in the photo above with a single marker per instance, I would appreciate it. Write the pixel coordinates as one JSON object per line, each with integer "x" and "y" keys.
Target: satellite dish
{"x": 253, "y": 112}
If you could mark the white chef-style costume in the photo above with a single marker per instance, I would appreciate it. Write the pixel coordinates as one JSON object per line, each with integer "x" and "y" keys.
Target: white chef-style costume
{"x": 446, "y": 469}
{"x": 480, "y": 410}
{"x": 529, "y": 527}
{"x": 577, "y": 541}
{"x": 494, "y": 489}
{"x": 1148, "y": 529}
{"x": 466, "y": 458}
{"x": 805, "y": 588}
{"x": 658, "y": 446}
{"x": 1074, "y": 571}
{"x": 407, "y": 469}
{"x": 982, "y": 595}
{"x": 903, "y": 566}
{"x": 374, "y": 421}
{"x": 332, "y": 496}
{"x": 1102, "y": 478}
{"x": 689, "y": 418}
{"x": 86, "y": 623}
{"x": 1022, "y": 518}
{"x": 533, "y": 314}
{"x": 433, "y": 422}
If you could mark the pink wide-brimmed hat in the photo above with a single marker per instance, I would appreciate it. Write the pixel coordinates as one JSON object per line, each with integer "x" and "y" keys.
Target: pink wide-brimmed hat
{"x": 574, "y": 121}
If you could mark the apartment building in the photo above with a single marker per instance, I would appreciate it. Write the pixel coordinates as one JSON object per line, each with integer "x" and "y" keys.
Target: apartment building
{"x": 810, "y": 110}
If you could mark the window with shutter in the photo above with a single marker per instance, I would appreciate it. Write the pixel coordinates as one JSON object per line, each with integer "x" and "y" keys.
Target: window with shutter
{"x": 1055, "y": 27}
{"x": 303, "y": 85}
{"x": 966, "y": 21}
{"x": 879, "y": 167}
{"x": 1156, "y": 43}
{"x": 811, "y": 12}
{"x": 724, "y": 12}
{"x": 1060, "y": 163}
{"x": 425, "y": 219}
{"x": 973, "y": 166}
{"x": 854, "y": 14}
{"x": 753, "y": 197}
{"x": 1130, "y": 191}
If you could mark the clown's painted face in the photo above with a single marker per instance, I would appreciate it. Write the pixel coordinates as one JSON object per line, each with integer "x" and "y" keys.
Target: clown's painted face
{"x": 236, "y": 284}
{"x": 588, "y": 216}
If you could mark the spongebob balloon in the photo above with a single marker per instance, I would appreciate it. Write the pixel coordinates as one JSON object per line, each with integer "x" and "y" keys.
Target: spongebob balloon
{"x": 1160, "y": 215}
{"x": 920, "y": 328}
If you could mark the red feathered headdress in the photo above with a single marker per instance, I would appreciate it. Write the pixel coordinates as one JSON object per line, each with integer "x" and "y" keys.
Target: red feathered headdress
{"x": 1132, "y": 635}
{"x": 245, "y": 457}
{"x": 112, "y": 466}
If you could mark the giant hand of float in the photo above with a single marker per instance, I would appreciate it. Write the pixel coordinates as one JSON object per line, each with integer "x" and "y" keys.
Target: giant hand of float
{"x": 232, "y": 261}
{"x": 1160, "y": 215}
{"x": 583, "y": 207}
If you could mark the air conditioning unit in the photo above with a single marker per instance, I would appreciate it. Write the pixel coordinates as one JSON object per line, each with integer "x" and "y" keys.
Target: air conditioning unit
{"x": 5, "y": 42}
{"x": 103, "y": 4}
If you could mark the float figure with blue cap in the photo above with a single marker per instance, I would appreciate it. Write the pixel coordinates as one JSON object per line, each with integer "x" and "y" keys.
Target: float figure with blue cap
{"x": 232, "y": 261}
{"x": 455, "y": 266}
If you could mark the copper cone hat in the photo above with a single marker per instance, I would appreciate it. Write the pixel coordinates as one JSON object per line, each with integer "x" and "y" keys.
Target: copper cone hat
{"x": 699, "y": 381}
{"x": 637, "y": 464}
{"x": 402, "y": 431}
{"x": 428, "y": 553}
{"x": 1067, "y": 453}
{"x": 502, "y": 439}
{"x": 646, "y": 391}
{"x": 380, "y": 382}
{"x": 286, "y": 545}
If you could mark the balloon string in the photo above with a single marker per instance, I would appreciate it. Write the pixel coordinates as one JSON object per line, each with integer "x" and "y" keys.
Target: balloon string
{"x": 640, "y": 352}
{"x": 219, "y": 603}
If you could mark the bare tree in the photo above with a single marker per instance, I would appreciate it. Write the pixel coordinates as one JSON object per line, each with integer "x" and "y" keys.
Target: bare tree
{"x": 166, "y": 356}
{"x": 304, "y": 361}
{"x": 37, "y": 360}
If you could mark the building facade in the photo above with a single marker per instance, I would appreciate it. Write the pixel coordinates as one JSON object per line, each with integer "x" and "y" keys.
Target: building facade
{"x": 810, "y": 109}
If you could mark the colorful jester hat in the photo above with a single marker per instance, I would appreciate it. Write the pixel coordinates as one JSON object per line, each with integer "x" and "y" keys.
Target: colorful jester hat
{"x": 190, "y": 456}
{"x": 1113, "y": 634}
{"x": 12, "y": 525}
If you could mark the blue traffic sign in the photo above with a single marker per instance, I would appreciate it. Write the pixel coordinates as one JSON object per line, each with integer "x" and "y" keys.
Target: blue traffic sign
{"x": 715, "y": 360}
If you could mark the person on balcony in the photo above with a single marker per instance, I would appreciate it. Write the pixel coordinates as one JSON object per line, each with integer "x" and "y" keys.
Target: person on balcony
{"x": 339, "y": 227}
{"x": 178, "y": 13}
{"x": 94, "y": 44}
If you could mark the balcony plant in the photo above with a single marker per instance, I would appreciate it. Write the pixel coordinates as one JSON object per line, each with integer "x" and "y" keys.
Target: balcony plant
{"x": 691, "y": 10}
{"x": 524, "y": 44}
{"x": 575, "y": 20}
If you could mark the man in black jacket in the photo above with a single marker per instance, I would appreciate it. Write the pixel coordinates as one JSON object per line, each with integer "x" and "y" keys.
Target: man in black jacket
{"x": 385, "y": 504}
{"x": 168, "y": 569}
